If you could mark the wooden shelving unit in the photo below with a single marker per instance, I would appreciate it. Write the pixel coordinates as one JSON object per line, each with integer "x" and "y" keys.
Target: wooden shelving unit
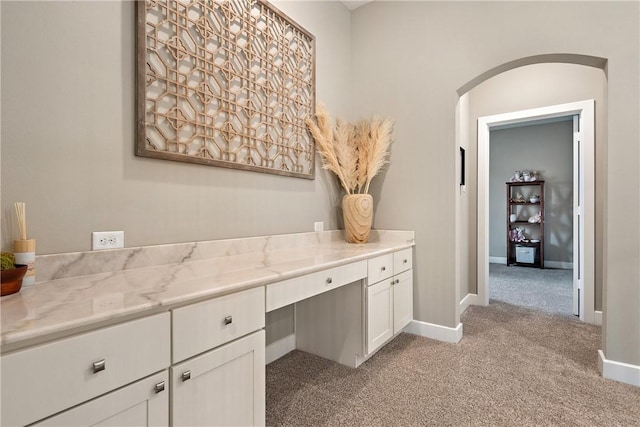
{"x": 522, "y": 210}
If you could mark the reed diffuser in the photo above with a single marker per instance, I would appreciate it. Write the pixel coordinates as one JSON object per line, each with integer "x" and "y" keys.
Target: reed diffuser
{"x": 25, "y": 249}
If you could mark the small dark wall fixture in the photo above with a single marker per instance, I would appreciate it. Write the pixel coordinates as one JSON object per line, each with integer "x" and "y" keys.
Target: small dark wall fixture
{"x": 462, "y": 166}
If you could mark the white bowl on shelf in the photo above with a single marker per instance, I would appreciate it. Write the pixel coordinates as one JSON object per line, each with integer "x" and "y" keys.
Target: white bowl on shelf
{"x": 534, "y": 200}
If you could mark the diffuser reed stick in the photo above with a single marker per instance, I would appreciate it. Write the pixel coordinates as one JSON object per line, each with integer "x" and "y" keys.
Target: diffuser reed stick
{"x": 21, "y": 214}
{"x": 25, "y": 249}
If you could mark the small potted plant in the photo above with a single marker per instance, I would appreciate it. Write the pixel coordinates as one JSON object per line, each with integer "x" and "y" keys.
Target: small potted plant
{"x": 12, "y": 273}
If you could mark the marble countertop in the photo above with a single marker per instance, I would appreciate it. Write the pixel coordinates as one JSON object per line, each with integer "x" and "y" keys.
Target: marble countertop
{"x": 67, "y": 305}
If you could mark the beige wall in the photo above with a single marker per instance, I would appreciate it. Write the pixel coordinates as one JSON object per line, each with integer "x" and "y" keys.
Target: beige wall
{"x": 68, "y": 126}
{"x": 409, "y": 60}
{"x": 68, "y": 137}
{"x": 548, "y": 149}
{"x": 68, "y": 140}
{"x": 533, "y": 86}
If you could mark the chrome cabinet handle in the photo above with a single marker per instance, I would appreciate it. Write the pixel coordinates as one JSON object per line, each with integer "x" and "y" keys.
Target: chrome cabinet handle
{"x": 329, "y": 281}
{"x": 383, "y": 268}
{"x": 100, "y": 365}
{"x": 186, "y": 375}
{"x": 228, "y": 320}
{"x": 405, "y": 261}
{"x": 159, "y": 387}
{"x": 397, "y": 281}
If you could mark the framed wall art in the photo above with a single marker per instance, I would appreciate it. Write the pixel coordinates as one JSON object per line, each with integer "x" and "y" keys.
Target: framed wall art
{"x": 225, "y": 83}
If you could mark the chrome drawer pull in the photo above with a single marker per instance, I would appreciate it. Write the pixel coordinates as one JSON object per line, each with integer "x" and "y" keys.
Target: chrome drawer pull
{"x": 186, "y": 375}
{"x": 383, "y": 268}
{"x": 159, "y": 387}
{"x": 228, "y": 320}
{"x": 404, "y": 261}
{"x": 329, "y": 281}
{"x": 98, "y": 366}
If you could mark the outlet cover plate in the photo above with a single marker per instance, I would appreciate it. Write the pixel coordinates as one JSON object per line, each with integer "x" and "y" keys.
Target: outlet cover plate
{"x": 107, "y": 240}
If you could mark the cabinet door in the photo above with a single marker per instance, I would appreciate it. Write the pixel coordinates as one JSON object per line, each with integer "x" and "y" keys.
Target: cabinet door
{"x": 224, "y": 387}
{"x": 143, "y": 403}
{"x": 402, "y": 300}
{"x": 379, "y": 314}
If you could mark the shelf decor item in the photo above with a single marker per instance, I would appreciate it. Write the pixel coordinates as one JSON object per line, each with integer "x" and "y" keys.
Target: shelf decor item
{"x": 11, "y": 275}
{"x": 355, "y": 153}
{"x": 24, "y": 249}
{"x": 225, "y": 83}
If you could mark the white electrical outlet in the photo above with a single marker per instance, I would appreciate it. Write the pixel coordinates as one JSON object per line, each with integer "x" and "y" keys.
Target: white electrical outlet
{"x": 107, "y": 240}
{"x": 318, "y": 226}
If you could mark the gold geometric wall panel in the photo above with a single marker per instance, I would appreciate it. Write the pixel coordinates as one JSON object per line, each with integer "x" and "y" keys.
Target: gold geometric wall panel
{"x": 225, "y": 83}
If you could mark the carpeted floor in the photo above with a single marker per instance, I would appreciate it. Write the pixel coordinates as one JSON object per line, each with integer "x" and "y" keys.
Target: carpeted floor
{"x": 549, "y": 290}
{"x": 514, "y": 367}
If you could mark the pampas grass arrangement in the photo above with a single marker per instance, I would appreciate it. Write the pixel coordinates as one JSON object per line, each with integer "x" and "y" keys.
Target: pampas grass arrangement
{"x": 356, "y": 153}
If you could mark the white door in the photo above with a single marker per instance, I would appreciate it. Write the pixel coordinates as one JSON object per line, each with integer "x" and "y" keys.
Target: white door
{"x": 379, "y": 314}
{"x": 402, "y": 300}
{"x": 143, "y": 403}
{"x": 223, "y": 387}
{"x": 578, "y": 225}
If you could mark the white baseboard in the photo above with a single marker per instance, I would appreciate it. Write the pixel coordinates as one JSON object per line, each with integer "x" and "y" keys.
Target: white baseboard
{"x": 559, "y": 264}
{"x": 550, "y": 264}
{"x": 618, "y": 371}
{"x": 436, "y": 332}
{"x": 277, "y": 349}
{"x": 597, "y": 318}
{"x": 469, "y": 299}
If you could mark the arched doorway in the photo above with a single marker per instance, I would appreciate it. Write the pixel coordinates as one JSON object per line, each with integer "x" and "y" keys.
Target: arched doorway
{"x": 527, "y": 84}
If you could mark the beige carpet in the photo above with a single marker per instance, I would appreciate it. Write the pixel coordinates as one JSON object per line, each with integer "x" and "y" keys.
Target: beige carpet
{"x": 514, "y": 366}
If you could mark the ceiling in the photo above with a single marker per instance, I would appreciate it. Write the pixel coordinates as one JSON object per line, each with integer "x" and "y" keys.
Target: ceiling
{"x": 354, "y": 4}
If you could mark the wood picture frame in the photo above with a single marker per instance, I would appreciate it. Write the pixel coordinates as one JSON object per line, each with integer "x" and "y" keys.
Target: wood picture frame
{"x": 225, "y": 84}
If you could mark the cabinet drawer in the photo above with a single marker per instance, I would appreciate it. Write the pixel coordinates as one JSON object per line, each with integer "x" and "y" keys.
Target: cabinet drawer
{"x": 293, "y": 290}
{"x": 402, "y": 260}
{"x": 46, "y": 379}
{"x": 143, "y": 403}
{"x": 379, "y": 268}
{"x": 203, "y": 326}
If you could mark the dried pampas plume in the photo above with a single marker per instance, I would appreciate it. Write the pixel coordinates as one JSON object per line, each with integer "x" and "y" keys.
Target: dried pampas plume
{"x": 355, "y": 153}
{"x": 323, "y": 135}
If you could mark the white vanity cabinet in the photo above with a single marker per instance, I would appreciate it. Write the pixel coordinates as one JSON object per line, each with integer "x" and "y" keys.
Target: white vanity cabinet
{"x": 218, "y": 375}
{"x": 349, "y": 323}
{"x": 389, "y": 297}
{"x": 44, "y": 380}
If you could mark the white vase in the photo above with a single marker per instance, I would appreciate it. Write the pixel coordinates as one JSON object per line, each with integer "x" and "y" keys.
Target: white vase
{"x": 512, "y": 218}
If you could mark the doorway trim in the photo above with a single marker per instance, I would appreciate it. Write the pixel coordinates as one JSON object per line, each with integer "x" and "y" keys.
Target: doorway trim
{"x": 586, "y": 112}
